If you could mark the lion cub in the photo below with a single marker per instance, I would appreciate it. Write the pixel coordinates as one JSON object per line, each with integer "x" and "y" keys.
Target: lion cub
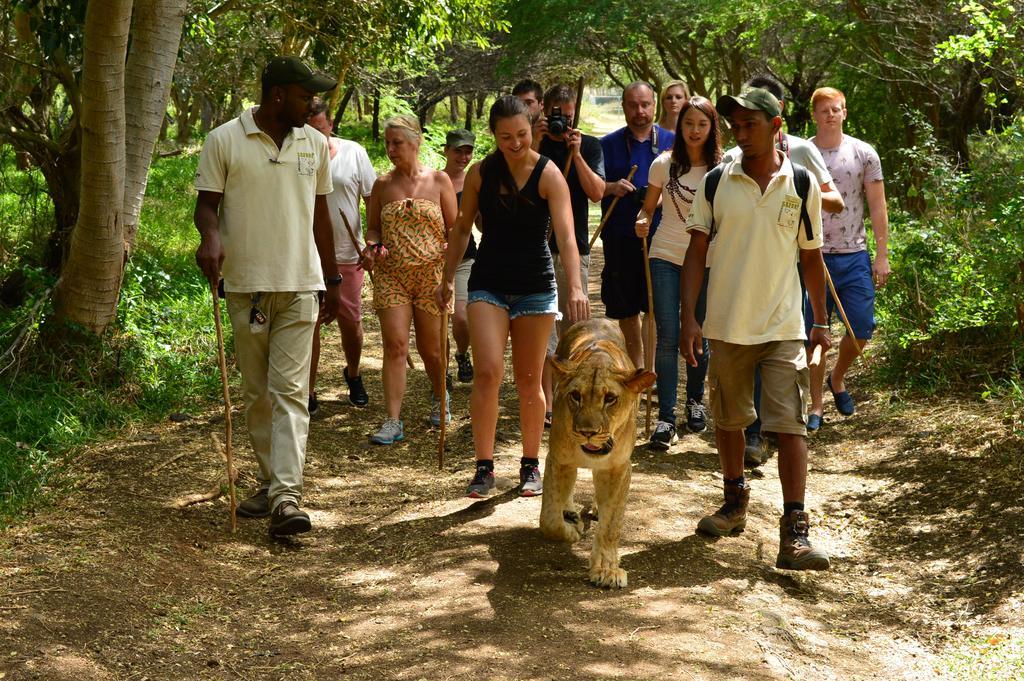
{"x": 593, "y": 425}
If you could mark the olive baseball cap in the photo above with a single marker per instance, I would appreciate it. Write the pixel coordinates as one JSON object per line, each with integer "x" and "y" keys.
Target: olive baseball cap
{"x": 289, "y": 70}
{"x": 459, "y": 138}
{"x": 754, "y": 98}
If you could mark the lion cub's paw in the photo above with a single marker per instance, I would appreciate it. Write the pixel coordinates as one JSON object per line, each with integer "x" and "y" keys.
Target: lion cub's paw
{"x": 568, "y": 528}
{"x": 608, "y": 577}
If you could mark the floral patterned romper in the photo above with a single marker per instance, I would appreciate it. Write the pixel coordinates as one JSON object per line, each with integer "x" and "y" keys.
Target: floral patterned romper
{"x": 413, "y": 232}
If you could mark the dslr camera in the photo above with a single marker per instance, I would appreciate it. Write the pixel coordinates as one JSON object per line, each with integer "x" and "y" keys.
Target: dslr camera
{"x": 557, "y": 123}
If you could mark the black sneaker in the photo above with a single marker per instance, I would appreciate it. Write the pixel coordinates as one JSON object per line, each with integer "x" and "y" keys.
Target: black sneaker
{"x": 356, "y": 392}
{"x": 288, "y": 519}
{"x": 256, "y": 506}
{"x": 465, "y": 367}
{"x": 313, "y": 405}
{"x": 664, "y": 436}
{"x": 696, "y": 416}
{"x": 482, "y": 484}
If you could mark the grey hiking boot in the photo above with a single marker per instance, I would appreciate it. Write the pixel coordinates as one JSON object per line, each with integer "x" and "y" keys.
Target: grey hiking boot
{"x": 389, "y": 433}
{"x": 530, "y": 483}
{"x": 288, "y": 519}
{"x": 664, "y": 436}
{"x": 755, "y": 452}
{"x": 256, "y": 506}
{"x": 731, "y": 518}
{"x": 435, "y": 410}
{"x": 795, "y": 550}
{"x": 482, "y": 483}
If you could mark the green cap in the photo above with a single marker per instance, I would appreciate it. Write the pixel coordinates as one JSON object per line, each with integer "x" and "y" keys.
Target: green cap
{"x": 459, "y": 138}
{"x": 753, "y": 98}
{"x": 289, "y": 70}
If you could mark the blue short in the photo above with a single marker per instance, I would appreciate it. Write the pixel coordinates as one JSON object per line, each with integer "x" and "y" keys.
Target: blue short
{"x": 519, "y": 305}
{"x": 851, "y": 274}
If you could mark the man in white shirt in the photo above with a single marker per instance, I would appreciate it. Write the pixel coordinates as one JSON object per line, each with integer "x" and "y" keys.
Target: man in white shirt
{"x": 262, "y": 216}
{"x": 353, "y": 176}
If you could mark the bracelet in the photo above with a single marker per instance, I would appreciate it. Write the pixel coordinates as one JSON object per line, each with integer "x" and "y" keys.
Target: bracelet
{"x": 821, "y": 326}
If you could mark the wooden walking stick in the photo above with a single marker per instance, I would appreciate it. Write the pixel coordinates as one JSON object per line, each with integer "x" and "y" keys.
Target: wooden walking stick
{"x": 227, "y": 408}
{"x": 444, "y": 386}
{"x": 649, "y": 355}
{"x": 355, "y": 244}
{"x": 842, "y": 313}
{"x": 611, "y": 209}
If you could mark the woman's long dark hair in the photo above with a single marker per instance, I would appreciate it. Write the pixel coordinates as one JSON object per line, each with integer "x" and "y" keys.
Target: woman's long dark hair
{"x": 495, "y": 175}
{"x": 712, "y": 146}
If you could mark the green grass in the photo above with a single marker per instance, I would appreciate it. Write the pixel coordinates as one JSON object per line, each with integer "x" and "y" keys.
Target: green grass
{"x": 994, "y": 658}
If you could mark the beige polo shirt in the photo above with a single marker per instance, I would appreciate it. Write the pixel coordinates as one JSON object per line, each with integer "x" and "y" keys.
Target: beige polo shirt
{"x": 266, "y": 213}
{"x": 754, "y": 288}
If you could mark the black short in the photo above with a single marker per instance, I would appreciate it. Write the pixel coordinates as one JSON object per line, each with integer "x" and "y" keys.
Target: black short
{"x": 623, "y": 284}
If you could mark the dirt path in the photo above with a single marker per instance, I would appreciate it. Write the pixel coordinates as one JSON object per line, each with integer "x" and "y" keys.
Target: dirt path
{"x": 403, "y": 578}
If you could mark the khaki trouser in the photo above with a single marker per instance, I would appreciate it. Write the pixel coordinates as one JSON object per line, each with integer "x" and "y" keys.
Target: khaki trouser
{"x": 274, "y": 362}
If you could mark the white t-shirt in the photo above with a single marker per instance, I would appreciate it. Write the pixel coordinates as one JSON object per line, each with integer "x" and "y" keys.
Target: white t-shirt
{"x": 266, "y": 209}
{"x": 854, "y": 164}
{"x": 353, "y": 176}
{"x": 800, "y": 151}
{"x": 670, "y": 241}
{"x": 754, "y": 291}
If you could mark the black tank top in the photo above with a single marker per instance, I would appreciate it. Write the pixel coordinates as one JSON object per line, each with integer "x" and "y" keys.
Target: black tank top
{"x": 471, "y": 246}
{"x": 513, "y": 257}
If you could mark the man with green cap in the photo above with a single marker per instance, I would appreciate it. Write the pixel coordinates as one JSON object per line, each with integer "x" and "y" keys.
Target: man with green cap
{"x": 265, "y": 229}
{"x": 761, "y": 230}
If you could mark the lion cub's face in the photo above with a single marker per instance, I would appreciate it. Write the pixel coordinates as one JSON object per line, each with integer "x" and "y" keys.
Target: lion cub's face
{"x": 600, "y": 399}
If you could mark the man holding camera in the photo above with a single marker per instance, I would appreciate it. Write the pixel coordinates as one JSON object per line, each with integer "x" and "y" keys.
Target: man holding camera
{"x": 623, "y": 285}
{"x": 568, "y": 148}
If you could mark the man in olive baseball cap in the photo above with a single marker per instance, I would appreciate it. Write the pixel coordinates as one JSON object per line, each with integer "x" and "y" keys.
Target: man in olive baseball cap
{"x": 291, "y": 70}
{"x": 753, "y": 98}
{"x": 459, "y": 138}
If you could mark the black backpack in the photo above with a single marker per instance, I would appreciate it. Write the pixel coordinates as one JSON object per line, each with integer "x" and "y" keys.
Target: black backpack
{"x": 801, "y": 179}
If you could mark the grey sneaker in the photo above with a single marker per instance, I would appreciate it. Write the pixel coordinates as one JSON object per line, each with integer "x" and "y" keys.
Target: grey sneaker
{"x": 482, "y": 483}
{"x": 530, "y": 483}
{"x": 755, "y": 452}
{"x": 664, "y": 436}
{"x": 390, "y": 433}
{"x": 435, "y": 411}
{"x": 696, "y": 416}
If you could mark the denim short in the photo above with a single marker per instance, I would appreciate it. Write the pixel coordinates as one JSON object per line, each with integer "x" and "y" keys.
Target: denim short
{"x": 519, "y": 305}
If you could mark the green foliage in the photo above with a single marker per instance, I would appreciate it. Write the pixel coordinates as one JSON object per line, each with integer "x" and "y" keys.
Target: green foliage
{"x": 948, "y": 311}
{"x": 159, "y": 358}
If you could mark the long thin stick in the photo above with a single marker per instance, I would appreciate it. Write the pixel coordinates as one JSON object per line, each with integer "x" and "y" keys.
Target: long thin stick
{"x": 611, "y": 209}
{"x": 649, "y": 355}
{"x": 355, "y": 244}
{"x": 227, "y": 407}
{"x": 842, "y": 313}
{"x": 444, "y": 386}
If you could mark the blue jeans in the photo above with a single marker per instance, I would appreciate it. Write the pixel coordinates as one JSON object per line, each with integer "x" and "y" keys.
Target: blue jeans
{"x": 665, "y": 280}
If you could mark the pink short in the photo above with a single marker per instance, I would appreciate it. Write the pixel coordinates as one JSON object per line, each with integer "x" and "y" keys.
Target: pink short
{"x": 351, "y": 292}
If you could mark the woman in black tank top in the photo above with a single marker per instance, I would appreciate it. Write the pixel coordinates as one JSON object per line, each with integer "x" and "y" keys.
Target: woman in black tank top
{"x": 512, "y": 285}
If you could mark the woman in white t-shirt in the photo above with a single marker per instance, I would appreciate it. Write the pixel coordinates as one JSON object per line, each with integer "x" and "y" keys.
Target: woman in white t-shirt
{"x": 673, "y": 179}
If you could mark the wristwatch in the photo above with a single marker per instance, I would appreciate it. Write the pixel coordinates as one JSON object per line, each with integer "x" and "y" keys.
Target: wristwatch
{"x": 333, "y": 281}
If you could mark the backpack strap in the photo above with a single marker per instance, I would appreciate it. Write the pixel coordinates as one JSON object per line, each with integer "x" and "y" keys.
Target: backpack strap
{"x": 802, "y": 181}
{"x": 711, "y": 181}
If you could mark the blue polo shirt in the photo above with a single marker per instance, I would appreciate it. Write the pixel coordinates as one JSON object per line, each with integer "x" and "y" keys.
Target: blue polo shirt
{"x": 621, "y": 152}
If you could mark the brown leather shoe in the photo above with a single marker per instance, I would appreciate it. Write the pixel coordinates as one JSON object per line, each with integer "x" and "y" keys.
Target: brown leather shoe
{"x": 256, "y": 506}
{"x": 731, "y": 518}
{"x": 795, "y": 550}
{"x": 288, "y": 519}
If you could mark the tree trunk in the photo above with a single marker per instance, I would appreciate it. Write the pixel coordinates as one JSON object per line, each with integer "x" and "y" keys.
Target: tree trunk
{"x": 469, "y": 113}
{"x": 156, "y": 32}
{"x": 480, "y": 99}
{"x": 453, "y": 110}
{"x": 345, "y": 99}
{"x": 375, "y": 126}
{"x": 359, "y": 107}
{"x": 89, "y": 285}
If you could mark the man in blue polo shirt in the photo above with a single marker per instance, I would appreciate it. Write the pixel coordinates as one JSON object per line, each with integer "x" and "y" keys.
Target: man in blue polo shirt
{"x": 623, "y": 285}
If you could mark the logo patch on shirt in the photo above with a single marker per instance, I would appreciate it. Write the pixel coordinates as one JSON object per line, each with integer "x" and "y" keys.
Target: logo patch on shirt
{"x": 307, "y": 163}
{"x": 789, "y": 212}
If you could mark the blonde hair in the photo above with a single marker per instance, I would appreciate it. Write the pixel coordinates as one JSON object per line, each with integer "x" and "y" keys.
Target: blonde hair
{"x": 827, "y": 93}
{"x": 671, "y": 84}
{"x": 409, "y": 125}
